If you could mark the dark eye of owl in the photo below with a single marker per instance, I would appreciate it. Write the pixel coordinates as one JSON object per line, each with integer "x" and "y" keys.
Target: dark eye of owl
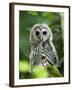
{"x": 44, "y": 32}
{"x": 37, "y": 33}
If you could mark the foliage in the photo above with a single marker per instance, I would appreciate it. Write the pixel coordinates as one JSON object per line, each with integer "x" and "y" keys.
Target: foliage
{"x": 38, "y": 71}
{"x": 26, "y": 20}
{"x": 24, "y": 67}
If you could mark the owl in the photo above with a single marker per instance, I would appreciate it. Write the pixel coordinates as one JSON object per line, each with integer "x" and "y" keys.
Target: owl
{"x": 43, "y": 52}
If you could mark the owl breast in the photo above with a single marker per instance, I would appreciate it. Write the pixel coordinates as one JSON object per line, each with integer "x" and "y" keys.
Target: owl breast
{"x": 37, "y": 55}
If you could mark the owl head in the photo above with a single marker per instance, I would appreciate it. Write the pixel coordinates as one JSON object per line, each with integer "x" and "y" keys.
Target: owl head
{"x": 40, "y": 33}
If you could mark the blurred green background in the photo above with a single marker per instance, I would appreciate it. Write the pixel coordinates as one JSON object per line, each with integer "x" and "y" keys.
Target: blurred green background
{"x": 26, "y": 21}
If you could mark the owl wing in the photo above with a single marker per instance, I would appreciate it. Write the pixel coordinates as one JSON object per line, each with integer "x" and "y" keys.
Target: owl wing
{"x": 50, "y": 52}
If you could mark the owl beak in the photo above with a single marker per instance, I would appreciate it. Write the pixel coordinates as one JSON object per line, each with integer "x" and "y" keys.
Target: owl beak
{"x": 41, "y": 38}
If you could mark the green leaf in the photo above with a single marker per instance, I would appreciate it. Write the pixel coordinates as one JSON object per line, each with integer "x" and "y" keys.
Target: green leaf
{"x": 32, "y": 13}
{"x": 53, "y": 71}
{"x": 24, "y": 66}
{"x": 40, "y": 72}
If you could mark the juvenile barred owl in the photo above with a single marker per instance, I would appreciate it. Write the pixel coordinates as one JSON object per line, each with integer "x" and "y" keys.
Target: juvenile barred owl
{"x": 43, "y": 51}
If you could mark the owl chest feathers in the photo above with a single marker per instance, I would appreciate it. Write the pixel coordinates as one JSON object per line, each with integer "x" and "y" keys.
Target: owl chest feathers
{"x": 43, "y": 54}
{"x": 39, "y": 54}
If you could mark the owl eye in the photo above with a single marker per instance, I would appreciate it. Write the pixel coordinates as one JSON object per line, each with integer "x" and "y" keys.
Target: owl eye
{"x": 44, "y": 32}
{"x": 37, "y": 33}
